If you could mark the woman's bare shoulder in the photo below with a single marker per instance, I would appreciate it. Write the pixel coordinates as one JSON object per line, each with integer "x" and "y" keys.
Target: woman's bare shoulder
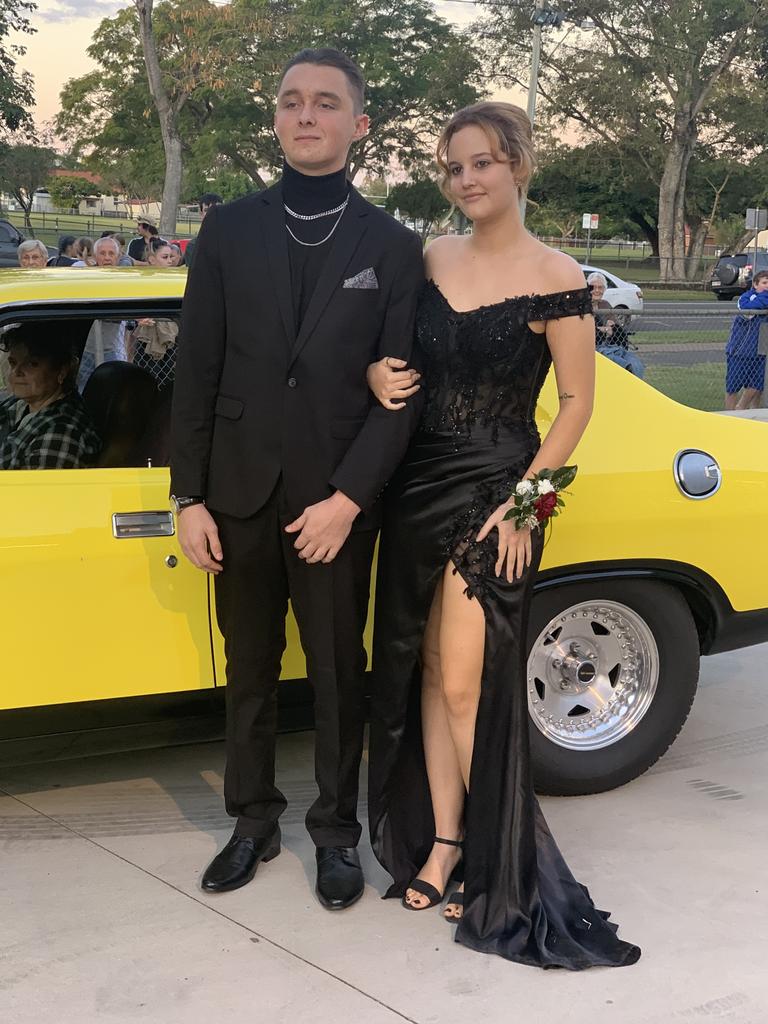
{"x": 442, "y": 252}
{"x": 560, "y": 272}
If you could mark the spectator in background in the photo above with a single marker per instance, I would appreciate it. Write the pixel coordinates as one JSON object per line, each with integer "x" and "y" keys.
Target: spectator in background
{"x": 176, "y": 256}
{"x": 106, "y": 253}
{"x": 84, "y": 251}
{"x": 159, "y": 253}
{"x": 604, "y": 325}
{"x": 32, "y": 254}
{"x": 125, "y": 260}
{"x": 66, "y": 254}
{"x": 137, "y": 250}
{"x": 43, "y": 424}
{"x": 611, "y": 336}
{"x": 106, "y": 338}
{"x": 745, "y": 366}
{"x": 207, "y": 200}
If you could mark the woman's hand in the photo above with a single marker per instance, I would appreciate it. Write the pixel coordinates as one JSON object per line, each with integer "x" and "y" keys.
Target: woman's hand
{"x": 391, "y": 381}
{"x": 514, "y": 545}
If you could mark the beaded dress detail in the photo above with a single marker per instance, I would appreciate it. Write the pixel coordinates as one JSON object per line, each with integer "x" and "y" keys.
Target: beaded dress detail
{"x": 483, "y": 371}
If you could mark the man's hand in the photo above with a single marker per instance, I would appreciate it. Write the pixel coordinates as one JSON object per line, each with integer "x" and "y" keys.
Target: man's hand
{"x": 199, "y": 538}
{"x": 324, "y": 527}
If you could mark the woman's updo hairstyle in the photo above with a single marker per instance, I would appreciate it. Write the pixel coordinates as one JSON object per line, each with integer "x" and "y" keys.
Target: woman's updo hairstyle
{"x": 509, "y": 132}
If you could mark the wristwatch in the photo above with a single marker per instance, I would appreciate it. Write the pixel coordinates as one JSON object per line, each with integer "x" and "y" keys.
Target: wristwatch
{"x": 179, "y": 504}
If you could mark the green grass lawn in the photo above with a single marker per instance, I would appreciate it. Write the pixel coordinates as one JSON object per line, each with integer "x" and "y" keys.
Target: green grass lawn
{"x": 701, "y": 337}
{"x": 48, "y": 226}
{"x": 701, "y": 386}
{"x": 694, "y": 295}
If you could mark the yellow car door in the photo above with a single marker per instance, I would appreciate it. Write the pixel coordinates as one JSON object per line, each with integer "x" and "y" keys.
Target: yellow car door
{"x": 99, "y": 600}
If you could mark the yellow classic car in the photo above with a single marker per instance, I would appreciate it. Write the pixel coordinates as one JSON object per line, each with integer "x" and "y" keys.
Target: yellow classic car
{"x": 659, "y": 559}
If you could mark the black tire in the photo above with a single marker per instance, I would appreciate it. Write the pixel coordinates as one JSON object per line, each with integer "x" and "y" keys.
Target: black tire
{"x": 724, "y": 298}
{"x": 561, "y": 771}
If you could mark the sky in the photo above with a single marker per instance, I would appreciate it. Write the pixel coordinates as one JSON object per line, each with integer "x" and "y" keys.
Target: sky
{"x": 64, "y": 30}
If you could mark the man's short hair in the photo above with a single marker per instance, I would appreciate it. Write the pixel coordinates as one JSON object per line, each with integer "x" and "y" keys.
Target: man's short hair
{"x": 330, "y": 58}
{"x": 759, "y": 276}
{"x": 104, "y": 240}
{"x": 65, "y": 241}
{"x": 209, "y": 199}
{"x": 29, "y": 245}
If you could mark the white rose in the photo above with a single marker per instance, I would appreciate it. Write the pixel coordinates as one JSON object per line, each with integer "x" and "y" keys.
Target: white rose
{"x": 545, "y": 487}
{"x": 524, "y": 487}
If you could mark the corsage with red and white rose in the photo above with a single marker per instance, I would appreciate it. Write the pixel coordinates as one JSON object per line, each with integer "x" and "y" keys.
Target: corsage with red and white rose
{"x": 537, "y": 498}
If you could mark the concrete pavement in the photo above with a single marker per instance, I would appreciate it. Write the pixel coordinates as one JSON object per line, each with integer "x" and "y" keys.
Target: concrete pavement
{"x": 102, "y": 918}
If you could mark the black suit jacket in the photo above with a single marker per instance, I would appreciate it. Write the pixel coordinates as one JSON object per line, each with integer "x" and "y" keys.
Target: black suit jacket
{"x": 255, "y": 398}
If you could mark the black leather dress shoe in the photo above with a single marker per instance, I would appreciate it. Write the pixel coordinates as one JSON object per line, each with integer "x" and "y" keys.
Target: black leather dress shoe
{"x": 340, "y": 881}
{"x": 236, "y": 864}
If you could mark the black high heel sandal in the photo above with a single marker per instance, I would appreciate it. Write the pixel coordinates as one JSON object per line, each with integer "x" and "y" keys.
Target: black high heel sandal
{"x": 424, "y": 888}
{"x": 457, "y": 899}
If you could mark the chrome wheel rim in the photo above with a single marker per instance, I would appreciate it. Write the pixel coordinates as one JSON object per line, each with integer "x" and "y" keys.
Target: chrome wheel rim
{"x": 592, "y": 675}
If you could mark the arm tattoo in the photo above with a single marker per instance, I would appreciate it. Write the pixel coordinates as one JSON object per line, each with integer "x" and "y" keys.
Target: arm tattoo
{"x": 565, "y": 395}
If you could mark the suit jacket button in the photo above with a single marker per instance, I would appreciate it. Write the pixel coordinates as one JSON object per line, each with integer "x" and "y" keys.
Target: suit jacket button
{"x": 291, "y": 382}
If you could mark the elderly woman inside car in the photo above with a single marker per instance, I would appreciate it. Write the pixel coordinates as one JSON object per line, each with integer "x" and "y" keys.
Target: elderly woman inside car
{"x": 43, "y": 424}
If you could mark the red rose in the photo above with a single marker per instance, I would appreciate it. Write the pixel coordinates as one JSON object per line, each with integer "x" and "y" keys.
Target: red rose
{"x": 545, "y": 506}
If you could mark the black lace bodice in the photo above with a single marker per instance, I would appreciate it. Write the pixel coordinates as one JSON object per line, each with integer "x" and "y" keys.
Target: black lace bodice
{"x": 485, "y": 367}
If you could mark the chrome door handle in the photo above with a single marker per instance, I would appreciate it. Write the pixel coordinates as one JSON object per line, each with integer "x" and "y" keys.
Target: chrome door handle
{"x": 142, "y": 524}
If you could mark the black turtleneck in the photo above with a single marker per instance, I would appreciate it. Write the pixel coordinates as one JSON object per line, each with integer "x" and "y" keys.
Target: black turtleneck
{"x": 306, "y": 194}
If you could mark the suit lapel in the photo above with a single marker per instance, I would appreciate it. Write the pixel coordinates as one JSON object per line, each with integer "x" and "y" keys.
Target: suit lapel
{"x": 343, "y": 247}
{"x": 276, "y": 245}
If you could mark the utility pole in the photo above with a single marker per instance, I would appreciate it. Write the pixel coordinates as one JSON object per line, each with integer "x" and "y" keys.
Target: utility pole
{"x": 541, "y": 16}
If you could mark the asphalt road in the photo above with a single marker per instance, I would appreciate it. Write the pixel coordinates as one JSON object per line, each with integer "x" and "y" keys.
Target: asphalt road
{"x": 685, "y": 317}
{"x": 103, "y": 918}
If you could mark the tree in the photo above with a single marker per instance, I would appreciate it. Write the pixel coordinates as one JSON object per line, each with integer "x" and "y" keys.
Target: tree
{"x": 68, "y": 191}
{"x": 420, "y": 200}
{"x": 227, "y": 60}
{"x": 650, "y": 77}
{"x": 16, "y": 95}
{"x": 601, "y": 178}
{"x": 23, "y": 170}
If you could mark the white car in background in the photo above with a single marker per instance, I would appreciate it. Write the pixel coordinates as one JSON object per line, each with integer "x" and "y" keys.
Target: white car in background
{"x": 619, "y": 294}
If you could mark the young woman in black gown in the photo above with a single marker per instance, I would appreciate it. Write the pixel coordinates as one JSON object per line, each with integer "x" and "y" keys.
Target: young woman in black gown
{"x": 449, "y": 777}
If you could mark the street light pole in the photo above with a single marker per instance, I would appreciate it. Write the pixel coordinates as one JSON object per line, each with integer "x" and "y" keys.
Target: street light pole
{"x": 541, "y": 16}
{"x": 533, "y": 83}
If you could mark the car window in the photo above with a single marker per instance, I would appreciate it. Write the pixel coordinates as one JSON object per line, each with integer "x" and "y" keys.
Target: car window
{"x": 110, "y": 409}
{"x": 5, "y": 234}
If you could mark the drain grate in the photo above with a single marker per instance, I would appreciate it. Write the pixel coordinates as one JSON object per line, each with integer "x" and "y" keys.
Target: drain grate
{"x": 714, "y": 790}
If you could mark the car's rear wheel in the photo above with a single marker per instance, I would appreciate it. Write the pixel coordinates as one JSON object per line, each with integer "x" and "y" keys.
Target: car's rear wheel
{"x": 612, "y": 673}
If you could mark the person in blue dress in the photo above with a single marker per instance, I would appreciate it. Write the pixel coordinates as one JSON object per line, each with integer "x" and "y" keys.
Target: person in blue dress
{"x": 745, "y": 366}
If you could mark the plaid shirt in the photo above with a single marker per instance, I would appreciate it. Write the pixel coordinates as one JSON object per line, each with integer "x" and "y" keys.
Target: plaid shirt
{"x": 59, "y": 436}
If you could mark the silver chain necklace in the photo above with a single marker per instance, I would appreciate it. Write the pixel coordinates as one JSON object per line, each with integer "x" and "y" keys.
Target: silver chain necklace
{"x": 316, "y": 216}
{"x": 312, "y": 245}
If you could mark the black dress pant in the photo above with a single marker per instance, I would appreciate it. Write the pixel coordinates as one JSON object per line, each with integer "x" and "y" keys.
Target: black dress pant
{"x": 262, "y": 571}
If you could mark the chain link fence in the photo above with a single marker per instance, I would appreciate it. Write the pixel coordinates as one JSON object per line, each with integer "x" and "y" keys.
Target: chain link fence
{"x": 707, "y": 357}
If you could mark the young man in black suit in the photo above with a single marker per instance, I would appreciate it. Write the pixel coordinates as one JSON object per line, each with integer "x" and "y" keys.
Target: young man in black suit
{"x": 280, "y": 455}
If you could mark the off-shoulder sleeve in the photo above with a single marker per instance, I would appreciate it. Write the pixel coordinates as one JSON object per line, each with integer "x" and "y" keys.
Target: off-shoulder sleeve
{"x": 558, "y": 304}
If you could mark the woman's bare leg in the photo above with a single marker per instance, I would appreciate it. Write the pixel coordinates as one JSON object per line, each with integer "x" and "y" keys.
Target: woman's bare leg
{"x": 446, "y": 784}
{"x": 462, "y": 649}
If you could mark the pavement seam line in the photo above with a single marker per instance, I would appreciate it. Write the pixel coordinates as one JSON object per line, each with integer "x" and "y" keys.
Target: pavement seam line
{"x": 213, "y": 910}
